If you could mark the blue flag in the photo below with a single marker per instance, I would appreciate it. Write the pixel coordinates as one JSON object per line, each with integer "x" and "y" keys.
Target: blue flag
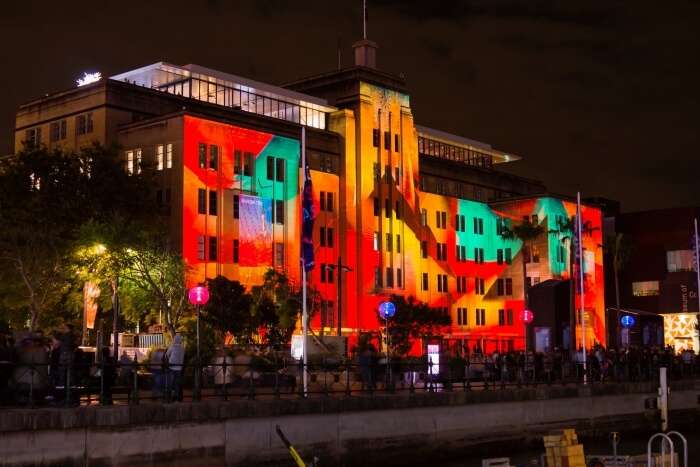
{"x": 307, "y": 222}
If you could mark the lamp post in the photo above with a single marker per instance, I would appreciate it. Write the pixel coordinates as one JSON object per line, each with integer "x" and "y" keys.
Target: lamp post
{"x": 526, "y": 316}
{"x": 341, "y": 268}
{"x": 387, "y": 310}
{"x": 198, "y": 296}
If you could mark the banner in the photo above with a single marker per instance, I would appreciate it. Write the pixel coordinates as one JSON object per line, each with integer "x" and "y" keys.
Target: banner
{"x": 255, "y": 231}
{"x": 307, "y": 226}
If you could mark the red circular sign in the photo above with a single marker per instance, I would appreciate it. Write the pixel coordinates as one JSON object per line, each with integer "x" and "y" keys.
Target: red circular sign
{"x": 198, "y": 295}
{"x": 526, "y": 316}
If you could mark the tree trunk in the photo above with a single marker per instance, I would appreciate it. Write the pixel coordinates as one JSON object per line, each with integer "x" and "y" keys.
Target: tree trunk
{"x": 572, "y": 301}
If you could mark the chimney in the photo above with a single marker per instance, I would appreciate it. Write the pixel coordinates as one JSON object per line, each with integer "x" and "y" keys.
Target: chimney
{"x": 365, "y": 53}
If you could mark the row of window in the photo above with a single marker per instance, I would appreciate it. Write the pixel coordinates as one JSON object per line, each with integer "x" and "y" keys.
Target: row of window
{"x": 460, "y": 222}
{"x": 278, "y": 212}
{"x": 387, "y": 140}
{"x": 164, "y": 158}
{"x": 59, "y": 130}
{"x": 243, "y": 162}
{"x": 207, "y": 250}
{"x": 389, "y": 275}
{"x": 441, "y": 280}
{"x": 389, "y": 242}
{"x": 387, "y": 208}
{"x": 388, "y": 177}
{"x": 505, "y": 317}
{"x": 326, "y": 201}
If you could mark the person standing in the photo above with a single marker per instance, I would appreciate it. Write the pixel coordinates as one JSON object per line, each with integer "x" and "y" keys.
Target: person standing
{"x": 175, "y": 355}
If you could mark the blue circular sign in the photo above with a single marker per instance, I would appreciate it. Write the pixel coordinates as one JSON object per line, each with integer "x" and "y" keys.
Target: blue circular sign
{"x": 387, "y": 310}
{"x": 627, "y": 321}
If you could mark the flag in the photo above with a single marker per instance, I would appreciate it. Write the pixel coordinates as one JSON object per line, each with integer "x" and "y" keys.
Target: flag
{"x": 307, "y": 223}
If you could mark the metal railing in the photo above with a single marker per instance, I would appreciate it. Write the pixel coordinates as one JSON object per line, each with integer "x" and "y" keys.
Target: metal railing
{"x": 86, "y": 383}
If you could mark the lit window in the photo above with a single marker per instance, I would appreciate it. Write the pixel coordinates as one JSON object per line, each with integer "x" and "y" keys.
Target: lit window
{"x": 160, "y": 154}
{"x": 679, "y": 260}
{"x": 169, "y": 155}
{"x": 130, "y": 162}
{"x": 645, "y": 288}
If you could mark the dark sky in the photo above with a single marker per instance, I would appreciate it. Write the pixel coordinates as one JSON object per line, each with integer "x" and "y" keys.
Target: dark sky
{"x": 599, "y": 96}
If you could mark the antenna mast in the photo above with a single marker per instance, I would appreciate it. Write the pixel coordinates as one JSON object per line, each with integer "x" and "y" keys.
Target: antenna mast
{"x": 364, "y": 19}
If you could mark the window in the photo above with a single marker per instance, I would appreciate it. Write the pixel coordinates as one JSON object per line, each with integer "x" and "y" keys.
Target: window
{"x": 535, "y": 254}
{"x": 212, "y": 249}
{"x": 130, "y": 162}
{"x": 214, "y": 157}
{"x": 236, "y": 206}
{"x": 377, "y": 277}
{"x": 389, "y": 277}
{"x": 375, "y": 137}
{"x": 248, "y": 164}
{"x": 479, "y": 255}
{"x": 499, "y": 256}
{"x": 679, "y": 260}
{"x": 213, "y": 203}
{"x": 329, "y": 274}
{"x": 202, "y": 156}
{"x": 399, "y": 277}
{"x": 645, "y": 288}
{"x": 442, "y": 283}
{"x": 500, "y": 226}
{"x": 509, "y": 317}
{"x": 329, "y": 202}
{"x": 424, "y": 281}
{"x": 387, "y": 208}
{"x": 501, "y": 317}
{"x": 526, "y": 254}
{"x": 84, "y": 124}
{"x": 236, "y": 250}
{"x": 479, "y": 288}
{"x": 509, "y": 286}
{"x": 480, "y": 314}
{"x": 509, "y": 256}
{"x": 201, "y": 201}
{"x": 437, "y": 219}
{"x": 376, "y": 206}
{"x": 329, "y": 237}
{"x": 322, "y": 235}
{"x": 32, "y": 137}
{"x": 478, "y": 226}
{"x": 377, "y": 172}
{"x": 500, "y": 287}
{"x": 397, "y": 176}
{"x": 397, "y": 210}
{"x": 376, "y": 241}
{"x": 423, "y": 217}
{"x": 398, "y": 243}
{"x": 443, "y": 217}
{"x": 54, "y": 131}
{"x": 389, "y": 242}
{"x": 387, "y": 140}
{"x": 387, "y": 174}
{"x": 462, "y": 316}
{"x": 169, "y": 156}
{"x": 160, "y": 157}
{"x": 270, "y": 168}
{"x": 200, "y": 247}
{"x": 327, "y": 313}
{"x": 137, "y": 160}
{"x": 396, "y": 143}
{"x": 462, "y": 284}
{"x": 279, "y": 212}
{"x": 424, "y": 248}
{"x": 279, "y": 169}
{"x": 237, "y": 162}
{"x": 279, "y": 254}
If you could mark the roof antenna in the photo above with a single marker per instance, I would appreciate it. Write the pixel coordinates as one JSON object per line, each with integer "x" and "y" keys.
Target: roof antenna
{"x": 339, "y": 62}
{"x": 364, "y": 19}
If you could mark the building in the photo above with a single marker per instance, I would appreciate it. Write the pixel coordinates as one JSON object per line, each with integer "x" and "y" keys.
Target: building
{"x": 659, "y": 277}
{"x": 412, "y": 210}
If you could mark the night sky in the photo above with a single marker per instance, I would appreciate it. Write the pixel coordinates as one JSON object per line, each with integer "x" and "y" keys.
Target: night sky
{"x": 598, "y": 96}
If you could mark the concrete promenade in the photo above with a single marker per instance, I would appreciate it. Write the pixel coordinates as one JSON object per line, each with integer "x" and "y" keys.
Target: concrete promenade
{"x": 349, "y": 431}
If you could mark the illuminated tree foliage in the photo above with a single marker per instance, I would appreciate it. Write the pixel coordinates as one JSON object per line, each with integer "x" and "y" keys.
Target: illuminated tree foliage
{"x": 414, "y": 320}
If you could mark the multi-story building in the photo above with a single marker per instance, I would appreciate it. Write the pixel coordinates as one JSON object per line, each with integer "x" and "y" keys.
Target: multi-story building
{"x": 411, "y": 210}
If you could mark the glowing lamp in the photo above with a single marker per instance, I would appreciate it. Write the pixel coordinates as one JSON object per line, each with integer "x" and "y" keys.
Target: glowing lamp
{"x": 526, "y": 316}
{"x": 627, "y": 321}
{"x": 198, "y": 295}
{"x": 387, "y": 310}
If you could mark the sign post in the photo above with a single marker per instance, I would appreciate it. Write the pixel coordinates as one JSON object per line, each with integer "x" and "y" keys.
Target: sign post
{"x": 198, "y": 296}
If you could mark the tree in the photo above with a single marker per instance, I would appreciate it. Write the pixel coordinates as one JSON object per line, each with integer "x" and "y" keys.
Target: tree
{"x": 276, "y": 306}
{"x": 229, "y": 309}
{"x": 414, "y": 320}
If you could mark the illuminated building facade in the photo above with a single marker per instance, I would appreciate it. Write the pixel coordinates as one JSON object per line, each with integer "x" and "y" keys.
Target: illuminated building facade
{"x": 412, "y": 210}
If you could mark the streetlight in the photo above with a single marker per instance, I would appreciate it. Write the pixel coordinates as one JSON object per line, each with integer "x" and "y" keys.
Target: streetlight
{"x": 340, "y": 267}
{"x": 526, "y": 316}
{"x": 387, "y": 310}
{"x": 198, "y": 296}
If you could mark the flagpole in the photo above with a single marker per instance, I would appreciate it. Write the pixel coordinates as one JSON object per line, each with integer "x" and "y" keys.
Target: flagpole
{"x": 304, "y": 314}
{"x": 582, "y": 294}
{"x": 697, "y": 263}
{"x": 364, "y": 19}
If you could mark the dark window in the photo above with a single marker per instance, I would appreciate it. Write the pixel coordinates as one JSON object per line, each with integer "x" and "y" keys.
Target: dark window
{"x": 509, "y": 256}
{"x": 202, "y": 156}
{"x": 270, "y": 168}
{"x": 399, "y": 278}
{"x": 212, "y": 249}
{"x": 329, "y": 202}
{"x": 279, "y": 170}
{"x": 214, "y": 157}
{"x": 279, "y": 212}
{"x": 235, "y": 251}
{"x": 329, "y": 275}
{"x": 236, "y": 162}
{"x": 398, "y": 210}
{"x": 443, "y": 217}
{"x": 500, "y": 287}
{"x": 509, "y": 317}
{"x": 236, "y": 206}
{"x": 322, "y": 235}
{"x": 54, "y": 131}
{"x": 387, "y": 208}
{"x": 501, "y": 317}
{"x": 376, "y": 206}
{"x": 389, "y": 277}
{"x": 396, "y": 142}
{"x": 88, "y": 123}
{"x": 202, "y": 201}
{"x": 248, "y": 164}
{"x": 80, "y": 125}
{"x": 375, "y": 138}
{"x": 424, "y": 282}
{"x": 509, "y": 286}
{"x": 397, "y": 175}
{"x": 322, "y": 202}
{"x": 377, "y": 277}
{"x": 424, "y": 248}
{"x": 499, "y": 256}
{"x": 329, "y": 240}
{"x": 387, "y": 140}
{"x": 389, "y": 246}
{"x": 398, "y": 243}
{"x": 213, "y": 205}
